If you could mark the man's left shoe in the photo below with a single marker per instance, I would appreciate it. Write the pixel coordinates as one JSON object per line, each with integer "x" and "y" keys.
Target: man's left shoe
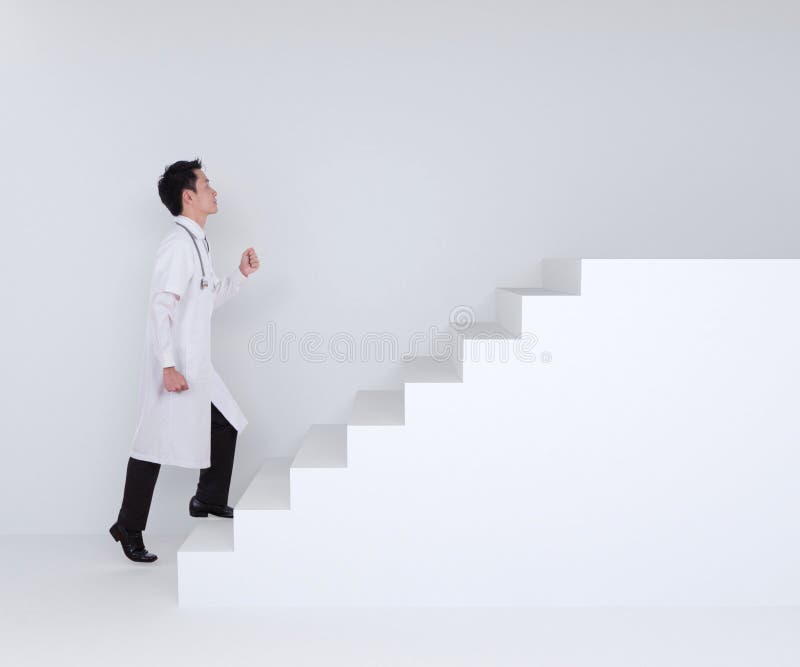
{"x": 132, "y": 544}
{"x": 196, "y": 508}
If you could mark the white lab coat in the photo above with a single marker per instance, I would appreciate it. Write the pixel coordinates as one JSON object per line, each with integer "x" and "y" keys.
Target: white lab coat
{"x": 174, "y": 428}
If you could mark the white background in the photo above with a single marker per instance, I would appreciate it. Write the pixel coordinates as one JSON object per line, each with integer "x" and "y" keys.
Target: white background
{"x": 388, "y": 161}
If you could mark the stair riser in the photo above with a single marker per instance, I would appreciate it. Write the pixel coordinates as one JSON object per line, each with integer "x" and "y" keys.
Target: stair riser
{"x": 424, "y": 401}
{"x": 253, "y": 529}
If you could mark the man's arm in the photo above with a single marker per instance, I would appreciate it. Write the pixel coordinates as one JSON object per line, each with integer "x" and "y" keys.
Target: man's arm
{"x": 230, "y": 285}
{"x": 162, "y": 310}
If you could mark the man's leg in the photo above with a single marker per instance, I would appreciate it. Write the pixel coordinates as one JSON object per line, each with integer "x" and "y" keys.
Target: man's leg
{"x": 140, "y": 482}
{"x": 215, "y": 482}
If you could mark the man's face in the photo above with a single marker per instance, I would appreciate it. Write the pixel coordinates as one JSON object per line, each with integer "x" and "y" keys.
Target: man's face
{"x": 205, "y": 199}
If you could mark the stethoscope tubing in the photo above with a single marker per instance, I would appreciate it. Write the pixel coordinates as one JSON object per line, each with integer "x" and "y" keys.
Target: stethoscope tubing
{"x": 203, "y": 281}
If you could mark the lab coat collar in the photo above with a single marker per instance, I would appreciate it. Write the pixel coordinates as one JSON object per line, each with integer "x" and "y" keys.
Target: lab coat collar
{"x": 193, "y": 227}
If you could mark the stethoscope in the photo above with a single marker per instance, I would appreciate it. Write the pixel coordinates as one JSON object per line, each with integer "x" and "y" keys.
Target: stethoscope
{"x": 203, "y": 281}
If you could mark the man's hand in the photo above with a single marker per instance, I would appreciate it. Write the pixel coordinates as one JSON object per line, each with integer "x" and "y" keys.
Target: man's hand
{"x": 249, "y": 262}
{"x": 174, "y": 381}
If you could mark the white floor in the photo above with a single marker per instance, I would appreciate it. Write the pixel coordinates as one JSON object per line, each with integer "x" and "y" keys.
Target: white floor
{"x": 68, "y": 598}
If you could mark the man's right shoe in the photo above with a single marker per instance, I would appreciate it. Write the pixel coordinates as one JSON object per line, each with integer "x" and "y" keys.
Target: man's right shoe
{"x": 132, "y": 544}
{"x": 198, "y": 508}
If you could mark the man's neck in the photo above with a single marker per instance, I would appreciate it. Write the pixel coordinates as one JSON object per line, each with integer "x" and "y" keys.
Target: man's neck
{"x": 199, "y": 219}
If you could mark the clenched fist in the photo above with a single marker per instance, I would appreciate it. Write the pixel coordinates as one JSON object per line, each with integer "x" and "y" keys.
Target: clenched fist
{"x": 249, "y": 262}
{"x": 174, "y": 381}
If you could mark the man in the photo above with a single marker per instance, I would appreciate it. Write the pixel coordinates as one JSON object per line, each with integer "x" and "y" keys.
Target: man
{"x": 181, "y": 395}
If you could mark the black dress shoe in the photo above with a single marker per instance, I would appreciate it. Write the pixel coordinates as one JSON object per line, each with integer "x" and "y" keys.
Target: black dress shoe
{"x": 132, "y": 544}
{"x": 197, "y": 508}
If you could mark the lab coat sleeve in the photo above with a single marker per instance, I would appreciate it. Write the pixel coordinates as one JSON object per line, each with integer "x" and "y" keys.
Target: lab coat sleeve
{"x": 174, "y": 266}
{"x": 162, "y": 312}
{"x": 229, "y": 287}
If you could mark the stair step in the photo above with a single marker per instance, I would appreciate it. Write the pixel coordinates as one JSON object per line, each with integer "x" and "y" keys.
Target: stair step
{"x": 519, "y": 308}
{"x": 324, "y": 446}
{"x": 209, "y": 536}
{"x": 430, "y": 369}
{"x": 378, "y": 408}
{"x": 269, "y": 489}
{"x": 534, "y": 291}
{"x": 488, "y": 330}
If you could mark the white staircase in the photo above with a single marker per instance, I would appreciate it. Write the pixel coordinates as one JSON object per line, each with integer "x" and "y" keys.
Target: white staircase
{"x": 644, "y": 457}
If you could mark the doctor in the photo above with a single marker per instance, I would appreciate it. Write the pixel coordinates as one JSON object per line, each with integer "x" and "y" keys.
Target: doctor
{"x": 186, "y": 415}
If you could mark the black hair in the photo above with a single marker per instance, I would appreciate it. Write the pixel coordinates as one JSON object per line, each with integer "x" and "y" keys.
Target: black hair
{"x": 179, "y": 176}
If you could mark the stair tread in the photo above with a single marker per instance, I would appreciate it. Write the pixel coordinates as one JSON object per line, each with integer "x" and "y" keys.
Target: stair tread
{"x": 430, "y": 369}
{"x": 269, "y": 489}
{"x": 324, "y": 446}
{"x": 534, "y": 291}
{"x": 378, "y": 408}
{"x": 209, "y": 536}
{"x": 489, "y": 330}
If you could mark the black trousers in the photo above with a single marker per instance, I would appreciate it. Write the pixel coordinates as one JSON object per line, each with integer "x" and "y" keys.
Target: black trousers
{"x": 212, "y": 486}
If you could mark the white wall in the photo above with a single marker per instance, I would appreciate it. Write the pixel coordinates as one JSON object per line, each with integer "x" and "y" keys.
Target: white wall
{"x": 388, "y": 161}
